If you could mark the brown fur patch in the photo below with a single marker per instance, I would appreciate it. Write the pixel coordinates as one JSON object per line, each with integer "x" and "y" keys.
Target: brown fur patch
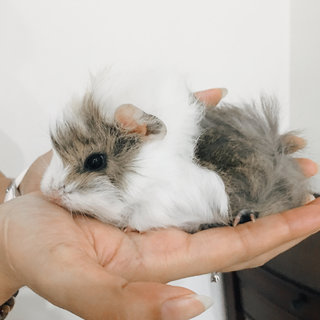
{"x": 292, "y": 143}
{"x": 89, "y": 132}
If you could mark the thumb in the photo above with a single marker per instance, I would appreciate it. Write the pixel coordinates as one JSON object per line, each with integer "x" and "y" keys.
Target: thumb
{"x": 89, "y": 291}
{"x": 147, "y": 300}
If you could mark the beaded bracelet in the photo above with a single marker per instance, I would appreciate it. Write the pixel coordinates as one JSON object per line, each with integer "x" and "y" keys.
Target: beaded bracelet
{"x": 7, "y": 307}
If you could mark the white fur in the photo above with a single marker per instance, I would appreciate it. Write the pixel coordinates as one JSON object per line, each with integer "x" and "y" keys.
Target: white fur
{"x": 102, "y": 202}
{"x": 172, "y": 191}
{"x": 167, "y": 188}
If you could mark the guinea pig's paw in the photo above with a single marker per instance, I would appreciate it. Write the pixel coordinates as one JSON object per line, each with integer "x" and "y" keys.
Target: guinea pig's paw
{"x": 129, "y": 229}
{"x": 311, "y": 197}
{"x": 245, "y": 215}
{"x": 133, "y": 119}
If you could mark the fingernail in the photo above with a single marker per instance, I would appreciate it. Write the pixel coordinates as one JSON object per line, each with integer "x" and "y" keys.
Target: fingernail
{"x": 185, "y": 307}
{"x": 205, "y": 300}
{"x": 224, "y": 92}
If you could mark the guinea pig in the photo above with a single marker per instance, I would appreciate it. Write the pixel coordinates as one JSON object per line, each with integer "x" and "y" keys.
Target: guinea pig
{"x": 139, "y": 151}
{"x": 124, "y": 153}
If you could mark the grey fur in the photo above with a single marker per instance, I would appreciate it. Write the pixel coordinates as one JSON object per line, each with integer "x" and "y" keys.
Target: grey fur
{"x": 245, "y": 147}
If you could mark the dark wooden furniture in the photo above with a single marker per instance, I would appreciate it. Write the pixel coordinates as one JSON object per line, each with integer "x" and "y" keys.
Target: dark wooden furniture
{"x": 286, "y": 288}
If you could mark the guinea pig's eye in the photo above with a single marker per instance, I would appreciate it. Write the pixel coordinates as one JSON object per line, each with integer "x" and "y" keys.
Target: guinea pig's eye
{"x": 96, "y": 162}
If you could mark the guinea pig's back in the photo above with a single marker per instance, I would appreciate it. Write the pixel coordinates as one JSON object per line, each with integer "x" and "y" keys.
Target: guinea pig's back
{"x": 245, "y": 147}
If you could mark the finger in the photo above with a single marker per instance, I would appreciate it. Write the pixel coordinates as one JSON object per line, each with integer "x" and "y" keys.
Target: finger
{"x": 211, "y": 97}
{"x": 32, "y": 179}
{"x": 164, "y": 302}
{"x": 88, "y": 291}
{"x": 309, "y": 167}
{"x": 260, "y": 260}
{"x": 219, "y": 248}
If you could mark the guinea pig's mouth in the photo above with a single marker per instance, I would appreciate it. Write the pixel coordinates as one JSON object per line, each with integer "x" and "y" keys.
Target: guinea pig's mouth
{"x": 62, "y": 201}
{"x": 56, "y": 197}
{"x": 56, "y": 200}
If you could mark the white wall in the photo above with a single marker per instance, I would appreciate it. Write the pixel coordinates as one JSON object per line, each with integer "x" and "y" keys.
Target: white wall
{"x": 305, "y": 76}
{"x": 47, "y": 49}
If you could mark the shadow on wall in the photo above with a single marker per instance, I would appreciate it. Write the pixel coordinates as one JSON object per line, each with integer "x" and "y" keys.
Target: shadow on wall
{"x": 11, "y": 160}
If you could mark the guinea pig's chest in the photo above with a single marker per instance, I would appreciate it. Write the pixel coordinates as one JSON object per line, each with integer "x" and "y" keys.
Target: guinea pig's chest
{"x": 170, "y": 189}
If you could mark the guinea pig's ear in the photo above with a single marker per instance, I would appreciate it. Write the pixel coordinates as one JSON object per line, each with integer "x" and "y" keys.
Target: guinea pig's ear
{"x": 292, "y": 143}
{"x": 135, "y": 120}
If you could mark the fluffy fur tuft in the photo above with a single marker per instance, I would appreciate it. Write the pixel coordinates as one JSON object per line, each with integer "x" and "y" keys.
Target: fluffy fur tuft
{"x": 245, "y": 147}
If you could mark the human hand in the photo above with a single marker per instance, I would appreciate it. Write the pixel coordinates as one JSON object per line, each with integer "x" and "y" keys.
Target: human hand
{"x": 58, "y": 256}
{"x": 97, "y": 271}
{"x": 210, "y": 97}
{"x": 170, "y": 254}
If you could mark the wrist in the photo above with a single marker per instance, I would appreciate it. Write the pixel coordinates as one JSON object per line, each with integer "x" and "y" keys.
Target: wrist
{"x": 7, "y": 288}
{"x": 9, "y": 284}
{"x": 4, "y": 183}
